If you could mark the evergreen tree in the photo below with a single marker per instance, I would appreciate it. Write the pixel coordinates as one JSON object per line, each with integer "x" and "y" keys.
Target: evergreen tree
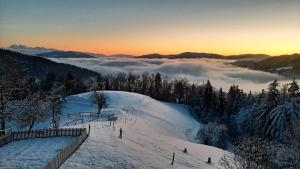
{"x": 157, "y": 86}
{"x": 233, "y": 100}
{"x": 208, "y": 97}
{"x": 281, "y": 119}
{"x": 179, "y": 90}
{"x": 270, "y": 102}
{"x": 294, "y": 88}
{"x": 221, "y": 102}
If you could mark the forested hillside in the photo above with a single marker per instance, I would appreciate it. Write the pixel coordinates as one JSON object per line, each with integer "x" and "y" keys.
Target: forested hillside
{"x": 39, "y": 67}
{"x": 287, "y": 65}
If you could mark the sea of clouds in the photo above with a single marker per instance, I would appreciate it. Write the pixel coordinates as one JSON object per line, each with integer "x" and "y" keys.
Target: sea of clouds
{"x": 220, "y": 72}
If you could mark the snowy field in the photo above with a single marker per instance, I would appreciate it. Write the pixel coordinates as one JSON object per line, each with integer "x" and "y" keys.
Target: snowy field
{"x": 152, "y": 131}
{"x": 31, "y": 153}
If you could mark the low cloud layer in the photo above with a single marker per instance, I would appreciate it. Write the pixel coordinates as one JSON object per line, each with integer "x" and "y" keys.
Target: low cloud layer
{"x": 220, "y": 72}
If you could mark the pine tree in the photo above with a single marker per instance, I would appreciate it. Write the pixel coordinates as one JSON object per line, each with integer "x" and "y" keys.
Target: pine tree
{"x": 179, "y": 90}
{"x": 208, "y": 97}
{"x": 270, "y": 102}
{"x": 281, "y": 119}
{"x": 221, "y": 102}
{"x": 157, "y": 86}
{"x": 233, "y": 100}
{"x": 294, "y": 88}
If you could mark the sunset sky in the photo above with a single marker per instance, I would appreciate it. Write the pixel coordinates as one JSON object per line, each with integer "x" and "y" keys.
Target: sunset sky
{"x": 153, "y": 26}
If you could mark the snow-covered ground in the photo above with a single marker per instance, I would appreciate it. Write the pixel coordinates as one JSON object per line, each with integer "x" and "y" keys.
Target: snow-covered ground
{"x": 152, "y": 131}
{"x": 31, "y": 153}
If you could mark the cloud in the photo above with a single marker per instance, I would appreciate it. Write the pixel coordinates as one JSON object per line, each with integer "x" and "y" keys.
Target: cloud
{"x": 220, "y": 72}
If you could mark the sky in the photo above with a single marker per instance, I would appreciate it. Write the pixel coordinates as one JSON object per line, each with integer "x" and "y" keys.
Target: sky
{"x": 153, "y": 26}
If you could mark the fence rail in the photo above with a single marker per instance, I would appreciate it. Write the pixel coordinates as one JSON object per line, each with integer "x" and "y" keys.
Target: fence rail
{"x": 47, "y": 133}
{"x": 5, "y": 139}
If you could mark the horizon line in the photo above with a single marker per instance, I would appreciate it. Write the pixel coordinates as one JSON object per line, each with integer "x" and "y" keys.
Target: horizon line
{"x": 150, "y": 53}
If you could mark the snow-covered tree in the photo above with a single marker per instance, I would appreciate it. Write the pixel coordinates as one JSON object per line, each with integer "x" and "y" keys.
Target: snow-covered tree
{"x": 250, "y": 153}
{"x": 284, "y": 157}
{"x": 213, "y": 134}
{"x": 270, "y": 102}
{"x": 282, "y": 119}
{"x": 294, "y": 88}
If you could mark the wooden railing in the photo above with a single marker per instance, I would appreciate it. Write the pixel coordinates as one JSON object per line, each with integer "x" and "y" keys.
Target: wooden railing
{"x": 5, "y": 139}
{"x": 47, "y": 133}
{"x": 56, "y": 162}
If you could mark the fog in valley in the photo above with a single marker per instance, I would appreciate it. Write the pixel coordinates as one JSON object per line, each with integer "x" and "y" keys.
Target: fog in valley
{"x": 220, "y": 72}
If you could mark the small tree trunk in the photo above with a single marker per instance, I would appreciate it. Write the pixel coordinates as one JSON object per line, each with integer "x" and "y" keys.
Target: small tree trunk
{"x": 2, "y": 127}
{"x": 31, "y": 125}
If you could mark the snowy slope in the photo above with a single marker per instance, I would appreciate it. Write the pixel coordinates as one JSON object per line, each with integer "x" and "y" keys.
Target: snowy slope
{"x": 153, "y": 130}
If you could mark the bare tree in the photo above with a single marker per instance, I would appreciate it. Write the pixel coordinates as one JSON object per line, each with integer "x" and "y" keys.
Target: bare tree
{"x": 12, "y": 87}
{"x": 56, "y": 102}
{"x": 99, "y": 99}
{"x": 32, "y": 110}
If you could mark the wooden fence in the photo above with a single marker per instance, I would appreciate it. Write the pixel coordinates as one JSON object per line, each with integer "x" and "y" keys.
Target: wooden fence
{"x": 5, "y": 139}
{"x": 57, "y": 161}
{"x": 47, "y": 133}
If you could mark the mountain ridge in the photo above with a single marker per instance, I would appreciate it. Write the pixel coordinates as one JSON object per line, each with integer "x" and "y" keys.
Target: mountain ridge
{"x": 39, "y": 67}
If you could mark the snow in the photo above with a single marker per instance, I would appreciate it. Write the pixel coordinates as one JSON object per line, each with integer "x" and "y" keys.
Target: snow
{"x": 32, "y": 153}
{"x": 152, "y": 131}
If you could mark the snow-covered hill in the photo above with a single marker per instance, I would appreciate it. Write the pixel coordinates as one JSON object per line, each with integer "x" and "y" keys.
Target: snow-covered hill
{"x": 28, "y": 50}
{"x": 152, "y": 131}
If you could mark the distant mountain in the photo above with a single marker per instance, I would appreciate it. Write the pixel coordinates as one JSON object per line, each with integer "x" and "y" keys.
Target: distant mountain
{"x": 29, "y": 50}
{"x": 255, "y": 57}
{"x": 65, "y": 54}
{"x": 121, "y": 56}
{"x": 39, "y": 67}
{"x": 186, "y": 55}
{"x": 287, "y": 65}
{"x": 50, "y": 53}
{"x": 192, "y": 55}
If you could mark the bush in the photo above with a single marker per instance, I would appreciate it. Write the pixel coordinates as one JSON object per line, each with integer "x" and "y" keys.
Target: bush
{"x": 213, "y": 134}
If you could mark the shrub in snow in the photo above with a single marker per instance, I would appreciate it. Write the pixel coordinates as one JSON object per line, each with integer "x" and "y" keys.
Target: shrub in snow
{"x": 251, "y": 153}
{"x": 255, "y": 153}
{"x": 284, "y": 157}
{"x": 213, "y": 134}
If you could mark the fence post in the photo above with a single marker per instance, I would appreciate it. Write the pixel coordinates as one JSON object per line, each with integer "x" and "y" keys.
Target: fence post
{"x": 173, "y": 158}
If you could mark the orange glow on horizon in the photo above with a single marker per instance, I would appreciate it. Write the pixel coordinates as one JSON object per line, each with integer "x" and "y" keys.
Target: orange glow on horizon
{"x": 174, "y": 42}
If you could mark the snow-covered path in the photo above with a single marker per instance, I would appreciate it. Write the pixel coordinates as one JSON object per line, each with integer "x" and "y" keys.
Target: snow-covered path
{"x": 152, "y": 132}
{"x": 31, "y": 153}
